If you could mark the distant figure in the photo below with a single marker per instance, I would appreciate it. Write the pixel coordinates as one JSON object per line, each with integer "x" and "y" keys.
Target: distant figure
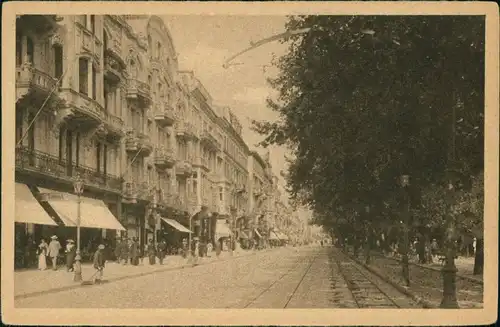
{"x": 42, "y": 254}
{"x": 70, "y": 255}
{"x": 54, "y": 248}
{"x": 99, "y": 262}
{"x": 434, "y": 249}
{"x": 161, "y": 251}
{"x": 151, "y": 251}
{"x": 134, "y": 252}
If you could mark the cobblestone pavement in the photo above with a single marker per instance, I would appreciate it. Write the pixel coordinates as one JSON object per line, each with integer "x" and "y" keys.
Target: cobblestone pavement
{"x": 32, "y": 282}
{"x": 305, "y": 277}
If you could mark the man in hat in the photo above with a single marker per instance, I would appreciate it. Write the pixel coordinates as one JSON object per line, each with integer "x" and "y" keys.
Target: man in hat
{"x": 53, "y": 253}
{"x": 99, "y": 261}
{"x": 70, "y": 254}
{"x": 162, "y": 248}
{"x": 151, "y": 252}
{"x": 134, "y": 252}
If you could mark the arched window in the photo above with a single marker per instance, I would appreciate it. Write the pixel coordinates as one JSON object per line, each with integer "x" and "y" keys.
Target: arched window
{"x": 133, "y": 68}
{"x": 150, "y": 80}
{"x": 83, "y": 77}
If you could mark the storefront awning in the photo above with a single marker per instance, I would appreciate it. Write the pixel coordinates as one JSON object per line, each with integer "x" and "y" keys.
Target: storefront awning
{"x": 176, "y": 225}
{"x": 28, "y": 210}
{"x": 94, "y": 213}
{"x": 222, "y": 230}
{"x": 257, "y": 233}
{"x": 273, "y": 236}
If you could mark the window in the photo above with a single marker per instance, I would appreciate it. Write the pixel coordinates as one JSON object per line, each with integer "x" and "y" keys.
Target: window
{"x": 19, "y": 50}
{"x": 98, "y": 156}
{"x": 30, "y": 50}
{"x": 31, "y": 132}
{"x": 92, "y": 24}
{"x": 19, "y": 124}
{"x": 158, "y": 54}
{"x": 94, "y": 83}
{"x": 83, "y": 78}
{"x": 105, "y": 159}
{"x": 58, "y": 61}
{"x": 61, "y": 144}
{"x": 107, "y": 97}
{"x": 77, "y": 139}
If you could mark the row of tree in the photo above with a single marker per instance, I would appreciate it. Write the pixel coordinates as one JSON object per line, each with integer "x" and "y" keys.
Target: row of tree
{"x": 366, "y": 99}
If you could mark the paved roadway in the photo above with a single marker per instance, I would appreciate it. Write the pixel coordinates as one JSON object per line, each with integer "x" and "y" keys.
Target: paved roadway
{"x": 306, "y": 277}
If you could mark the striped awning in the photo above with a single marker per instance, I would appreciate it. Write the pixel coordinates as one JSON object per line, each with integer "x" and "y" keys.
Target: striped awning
{"x": 93, "y": 213}
{"x": 28, "y": 209}
{"x": 176, "y": 225}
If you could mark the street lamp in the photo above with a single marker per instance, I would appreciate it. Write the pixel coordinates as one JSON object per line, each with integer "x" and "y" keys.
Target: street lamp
{"x": 405, "y": 183}
{"x": 449, "y": 270}
{"x": 78, "y": 187}
{"x": 368, "y": 234}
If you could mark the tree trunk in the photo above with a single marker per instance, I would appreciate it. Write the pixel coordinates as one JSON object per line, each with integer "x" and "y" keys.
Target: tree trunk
{"x": 479, "y": 257}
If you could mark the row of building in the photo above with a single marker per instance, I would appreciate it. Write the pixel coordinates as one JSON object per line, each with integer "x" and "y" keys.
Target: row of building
{"x": 145, "y": 138}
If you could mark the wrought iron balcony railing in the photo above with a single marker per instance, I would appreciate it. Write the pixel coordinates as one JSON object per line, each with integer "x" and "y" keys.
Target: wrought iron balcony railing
{"x": 51, "y": 166}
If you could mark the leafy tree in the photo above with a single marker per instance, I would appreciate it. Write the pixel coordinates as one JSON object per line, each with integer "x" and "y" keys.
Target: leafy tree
{"x": 364, "y": 99}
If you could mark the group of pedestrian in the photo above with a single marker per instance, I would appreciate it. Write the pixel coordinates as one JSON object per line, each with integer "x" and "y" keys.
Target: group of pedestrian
{"x": 129, "y": 251}
{"x": 50, "y": 250}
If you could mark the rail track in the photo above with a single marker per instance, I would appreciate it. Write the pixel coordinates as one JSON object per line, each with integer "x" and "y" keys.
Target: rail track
{"x": 366, "y": 289}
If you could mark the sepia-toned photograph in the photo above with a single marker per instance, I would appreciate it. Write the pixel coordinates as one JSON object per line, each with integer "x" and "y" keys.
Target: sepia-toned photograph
{"x": 212, "y": 160}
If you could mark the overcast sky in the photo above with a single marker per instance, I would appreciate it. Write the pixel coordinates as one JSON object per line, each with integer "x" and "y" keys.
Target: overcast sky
{"x": 203, "y": 42}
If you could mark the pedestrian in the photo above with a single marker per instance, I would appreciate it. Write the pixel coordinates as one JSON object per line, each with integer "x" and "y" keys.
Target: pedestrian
{"x": 162, "y": 248}
{"x": 218, "y": 248}
{"x": 185, "y": 247}
{"x": 118, "y": 250}
{"x": 124, "y": 251}
{"x": 434, "y": 249}
{"x": 474, "y": 242}
{"x": 42, "y": 254}
{"x": 134, "y": 252}
{"x": 70, "y": 255}
{"x": 53, "y": 253}
{"x": 151, "y": 251}
{"x": 99, "y": 262}
{"x": 209, "y": 248}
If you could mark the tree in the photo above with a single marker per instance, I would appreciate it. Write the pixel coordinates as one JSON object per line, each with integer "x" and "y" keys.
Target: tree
{"x": 364, "y": 99}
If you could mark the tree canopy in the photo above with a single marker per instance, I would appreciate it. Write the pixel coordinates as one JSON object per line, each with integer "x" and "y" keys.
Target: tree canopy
{"x": 365, "y": 99}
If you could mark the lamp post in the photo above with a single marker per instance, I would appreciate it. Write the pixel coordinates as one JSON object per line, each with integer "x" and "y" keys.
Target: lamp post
{"x": 405, "y": 183}
{"x": 78, "y": 188}
{"x": 368, "y": 235}
{"x": 449, "y": 271}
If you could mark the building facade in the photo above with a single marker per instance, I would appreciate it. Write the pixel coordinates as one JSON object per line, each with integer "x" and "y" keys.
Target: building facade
{"x": 145, "y": 137}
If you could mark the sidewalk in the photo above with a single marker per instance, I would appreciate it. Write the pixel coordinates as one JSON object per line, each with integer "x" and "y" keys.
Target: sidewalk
{"x": 34, "y": 282}
{"x": 465, "y": 267}
{"x": 425, "y": 283}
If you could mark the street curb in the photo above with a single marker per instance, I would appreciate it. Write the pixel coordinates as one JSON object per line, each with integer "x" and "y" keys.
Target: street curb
{"x": 69, "y": 287}
{"x": 425, "y": 304}
{"x": 472, "y": 279}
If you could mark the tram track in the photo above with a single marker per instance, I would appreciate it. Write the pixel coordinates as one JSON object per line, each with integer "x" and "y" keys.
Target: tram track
{"x": 268, "y": 288}
{"x": 362, "y": 285}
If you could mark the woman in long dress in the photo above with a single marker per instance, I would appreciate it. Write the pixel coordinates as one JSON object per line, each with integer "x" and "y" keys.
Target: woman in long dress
{"x": 42, "y": 254}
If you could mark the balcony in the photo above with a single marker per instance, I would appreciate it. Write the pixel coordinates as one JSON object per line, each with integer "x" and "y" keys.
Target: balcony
{"x": 164, "y": 158}
{"x": 209, "y": 140}
{"x": 139, "y": 91}
{"x": 113, "y": 71}
{"x": 45, "y": 165}
{"x": 85, "y": 111}
{"x": 33, "y": 82}
{"x": 145, "y": 144}
{"x": 183, "y": 168}
{"x": 132, "y": 141}
{"x": 130, "y": 191}
{"x": 186, "y": 131}
{"x": 145, "y": 191}
{"x": 136, "y": 141}
{"x": 114, "y": 126}
{"x": 202, "y": 163}
{"x": 165, "y": 116}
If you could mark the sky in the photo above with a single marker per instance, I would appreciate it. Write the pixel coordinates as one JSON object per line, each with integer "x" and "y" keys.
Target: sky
{"x": 204, "y": 42}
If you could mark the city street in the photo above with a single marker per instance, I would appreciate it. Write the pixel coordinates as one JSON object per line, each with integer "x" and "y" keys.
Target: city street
{"x": 302, "y": 277}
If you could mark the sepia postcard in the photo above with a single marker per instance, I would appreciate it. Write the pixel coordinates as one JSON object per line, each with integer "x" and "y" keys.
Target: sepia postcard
{"x": 250, "y": 163}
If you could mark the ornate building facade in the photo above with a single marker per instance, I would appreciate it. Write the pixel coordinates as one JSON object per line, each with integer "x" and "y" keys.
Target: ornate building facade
{"x": 145, "y": 138}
